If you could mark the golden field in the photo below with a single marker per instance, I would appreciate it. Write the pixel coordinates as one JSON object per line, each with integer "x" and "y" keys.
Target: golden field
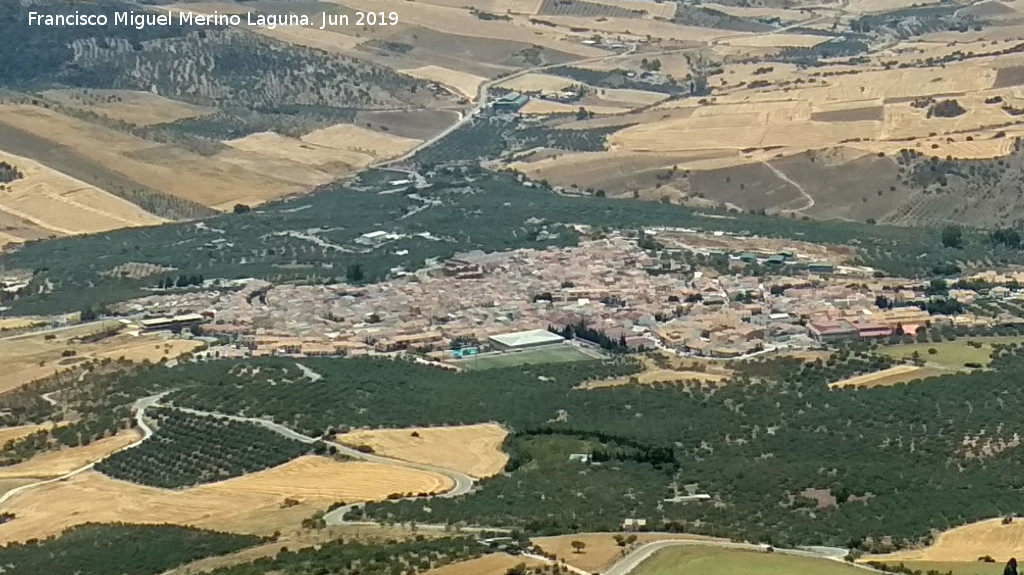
{"x": 471, "y": 449}
{"x": 32, "y": 356}
{"x": 138, "y": 108}
{"x": 56, "y": 463}
{"x": 967, "y": 543}
{"x": 247, "y": 504}
{"x": 48, "y": 202}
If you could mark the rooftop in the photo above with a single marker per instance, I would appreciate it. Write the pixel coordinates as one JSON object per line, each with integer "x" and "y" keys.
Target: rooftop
{"x": 531, "y": 337}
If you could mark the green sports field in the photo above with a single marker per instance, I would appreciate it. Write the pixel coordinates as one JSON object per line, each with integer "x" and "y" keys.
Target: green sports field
{"x": 700, "y": 560}
{"x": 951, "y": 354}
{"x": 557, "y": 354}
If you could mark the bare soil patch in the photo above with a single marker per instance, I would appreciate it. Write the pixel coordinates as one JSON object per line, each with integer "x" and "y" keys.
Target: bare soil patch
{"x": 418, "y": 125}
{"x": 471, "y": 449}
{"x": 493, "y": 564}
{"x": 872, "y": 114}
{"x": 1009, "y": 77}
{"x": 891, "y": 376}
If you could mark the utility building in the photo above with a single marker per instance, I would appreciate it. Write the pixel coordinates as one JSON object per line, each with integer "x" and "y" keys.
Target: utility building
{"x": 525, "y": 339}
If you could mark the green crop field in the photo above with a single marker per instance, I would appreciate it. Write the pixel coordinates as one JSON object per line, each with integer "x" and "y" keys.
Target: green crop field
{"x": 559, "y": 354}
{"x": 952, "y": 354}
{"x": 698, "y": 560}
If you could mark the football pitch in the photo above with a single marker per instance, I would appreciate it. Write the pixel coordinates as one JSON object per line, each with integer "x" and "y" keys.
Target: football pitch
{"x": 555, "y": 354}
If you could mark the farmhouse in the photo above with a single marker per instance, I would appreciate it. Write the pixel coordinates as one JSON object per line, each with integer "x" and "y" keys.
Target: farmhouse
{"x": 524, "y": 339}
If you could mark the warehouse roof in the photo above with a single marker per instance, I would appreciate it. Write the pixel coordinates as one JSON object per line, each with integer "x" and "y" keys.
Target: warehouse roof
{"x": 531, "y": 337}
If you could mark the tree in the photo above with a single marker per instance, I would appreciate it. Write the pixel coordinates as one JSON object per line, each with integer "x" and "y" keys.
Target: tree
{"x": 582, "y": 113}
{"x": 354, "y": 274}
{"x": 241, "y": 208}
{"x": 952, "y": 236}
{"x": 578, "y": 546}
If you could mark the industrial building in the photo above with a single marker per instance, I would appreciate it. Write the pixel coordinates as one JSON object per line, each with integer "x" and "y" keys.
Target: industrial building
{"x": 524, "y": 339}
{"x": 176, "y": 323}
{"x": 510, "y": 102}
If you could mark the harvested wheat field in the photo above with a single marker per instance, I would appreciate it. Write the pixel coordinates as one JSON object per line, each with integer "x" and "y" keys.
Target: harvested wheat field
{"x": 892, "y": 376}
{"x": 466, "y": 84}
{"x": 19, "y": 431}
{"x": 58, "y": 204}
{"x": 656, "y": 376}
{"x": 777, "y": 41}
{"x": 32, "y": 356}
{"x": 493, "y": 564}
{"x": 13, "y": 323}
{"x": 967, "y": 543}
{"x": 535, "y": 82}
{"x": 471, "y": 449}
{"x": 602, "y": 550}
{"x": 88, "y": 150}
{"x": 358, "y": 139}
{"x": 546, "y": 107}
{"x": 64, "y": 461}
{"x": 138, "y": 108}
{"x": 248, "y": 504}
{"x": 460, "y": 21}
{"x": 147, "y": 348}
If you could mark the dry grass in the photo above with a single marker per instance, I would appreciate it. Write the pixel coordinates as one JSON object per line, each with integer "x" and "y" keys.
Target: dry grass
{"x": 967, "y": 543}
{"x": 13, "y": 323}
{"x": 777, "y": 41}
{"x": 138, "y": 108}
{"x": 32, "y": 356}
{"x": 601, "y": 550}
{"x": 19, "y": 431}
{"x": 206, "y": 180}
{"x": 891, "y": 376}
{"x": 466, "y": 84}
{"x": 60, "y": 205}
{"x": 659, "y": 376}
{"x": 547, "y": 107}
{"x": 248, "y": 504}
{"x": 471, "y": 449}
{"x": 319, "y": 156}
{"x": 460, "y": 21}
{"x": 57, "y": 463}
{"x": 493, "y": 564}
{"x": 535, "y": 82}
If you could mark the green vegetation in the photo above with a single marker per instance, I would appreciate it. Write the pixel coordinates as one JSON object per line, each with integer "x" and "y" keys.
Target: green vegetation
{"x": 464, "y": 209}
{"x": 94, "y": 549}
{"x": 493, "y": 137}
{"x": 875, "y": 451}
{"x": 703, "y": 560}
{"x": 9, "y": 173}
{"x": 619, "y": 78}
{"x": 357, "y": 558}
{"x": 190, "y": 449}
{"x": 526, "y": 357}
